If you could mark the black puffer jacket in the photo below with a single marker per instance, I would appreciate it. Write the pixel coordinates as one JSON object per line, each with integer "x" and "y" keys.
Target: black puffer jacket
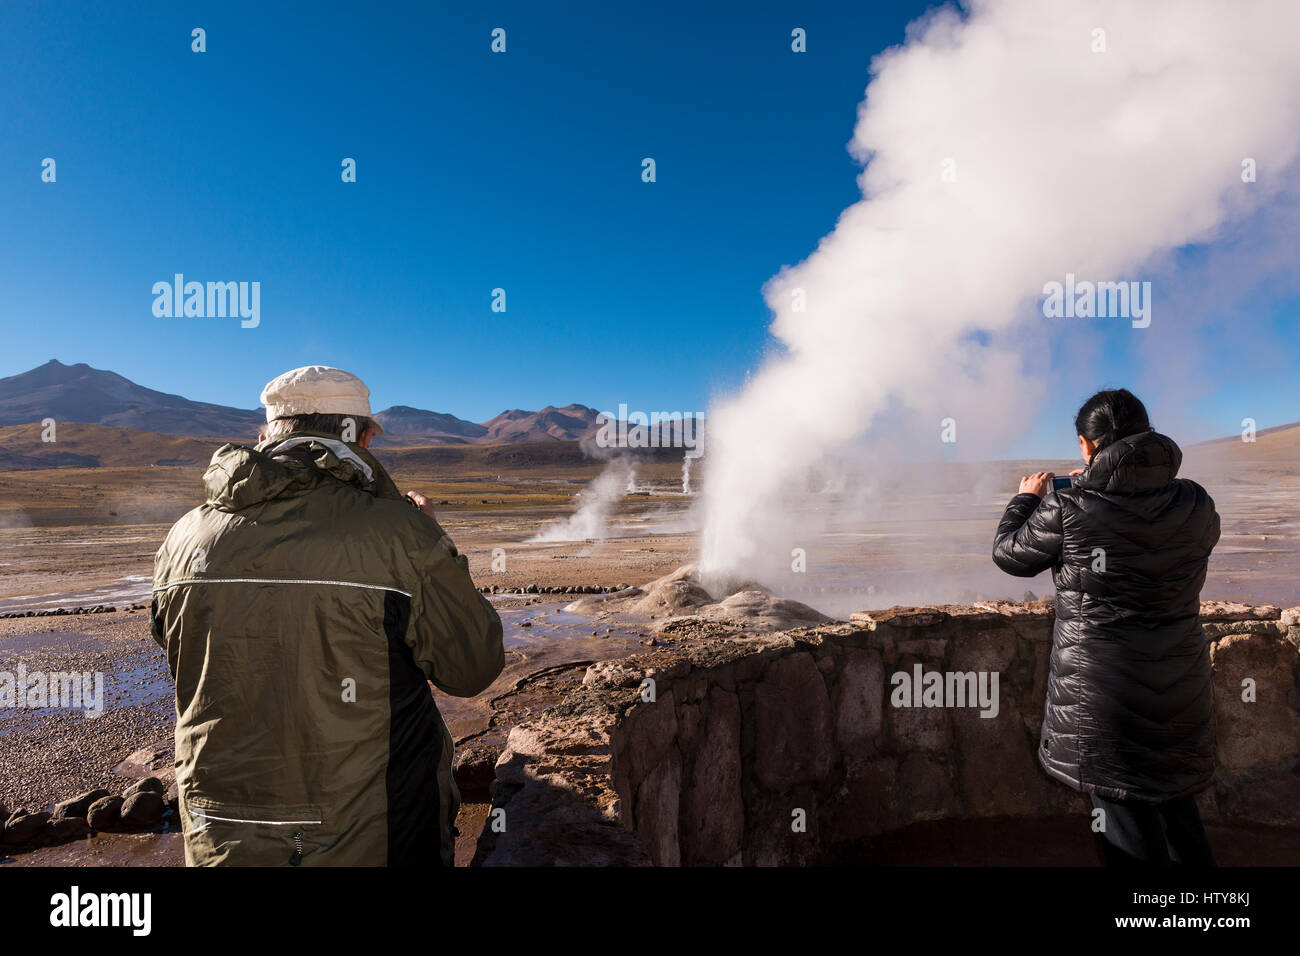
{"x": 1130, "y": 709}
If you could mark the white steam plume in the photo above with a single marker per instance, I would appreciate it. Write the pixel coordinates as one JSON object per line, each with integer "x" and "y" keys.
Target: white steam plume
{"x": 1060, "y": 159}
{"x": 596, "y": 504}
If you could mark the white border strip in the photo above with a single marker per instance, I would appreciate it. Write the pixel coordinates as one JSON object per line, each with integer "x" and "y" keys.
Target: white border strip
{"x": 346, "y": 584}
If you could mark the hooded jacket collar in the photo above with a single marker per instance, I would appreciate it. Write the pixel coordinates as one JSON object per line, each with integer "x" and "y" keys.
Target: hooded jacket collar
{"x": 295, "y": 464}
{"x": 1146, "y": 461}
{"x": 333, "y": 456}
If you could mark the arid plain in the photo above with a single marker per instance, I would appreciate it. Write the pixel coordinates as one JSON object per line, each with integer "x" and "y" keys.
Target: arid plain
{"x": 76, "y": 536}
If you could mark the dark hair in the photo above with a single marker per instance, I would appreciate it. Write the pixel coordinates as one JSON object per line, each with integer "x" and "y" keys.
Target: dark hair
{"x": 1110, "y": 415}
{"x": 313, "y": 422}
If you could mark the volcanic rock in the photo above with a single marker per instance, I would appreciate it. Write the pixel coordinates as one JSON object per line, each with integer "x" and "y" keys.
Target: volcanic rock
{"x": 105, "y": 813}
{"x": 157, "y": 760}
{"x": 78, "y": 806}
{"x": 143, "y": 809}
{"x": 24, "y": 827}
{"x": 147, "y": 785}
{"x": 680, "y": 596}
{"x": 763, "y": 610}
{"x": 476, "y": 768}
{"x": 63, "y": 829}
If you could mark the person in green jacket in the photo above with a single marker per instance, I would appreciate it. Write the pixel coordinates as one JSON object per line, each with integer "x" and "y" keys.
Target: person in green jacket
{"x": 304, "y": 607}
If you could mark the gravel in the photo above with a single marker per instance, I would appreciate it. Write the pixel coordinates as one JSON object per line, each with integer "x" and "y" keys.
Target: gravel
{"x": 48, "y": 754}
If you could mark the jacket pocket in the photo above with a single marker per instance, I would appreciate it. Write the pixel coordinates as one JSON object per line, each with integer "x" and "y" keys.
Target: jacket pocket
{"x": 267, "y": 831}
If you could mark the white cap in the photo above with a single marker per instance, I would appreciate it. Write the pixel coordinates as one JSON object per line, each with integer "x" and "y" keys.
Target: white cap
{"x": 317, "y": 390}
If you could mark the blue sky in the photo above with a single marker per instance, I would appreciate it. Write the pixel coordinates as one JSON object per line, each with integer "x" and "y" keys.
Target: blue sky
{"x": 475, "y": 171}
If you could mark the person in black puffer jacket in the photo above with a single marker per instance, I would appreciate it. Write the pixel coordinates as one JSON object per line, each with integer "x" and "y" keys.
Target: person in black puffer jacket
{"x": 1129, "y": 717}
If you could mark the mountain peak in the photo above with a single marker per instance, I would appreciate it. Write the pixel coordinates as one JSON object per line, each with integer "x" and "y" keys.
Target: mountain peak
{"x": 570, "y": 423}
{"x": 405, "y": 424}
{"x": 80, "y": 393}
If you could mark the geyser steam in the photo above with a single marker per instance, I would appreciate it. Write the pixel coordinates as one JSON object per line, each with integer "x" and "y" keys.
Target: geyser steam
{"x": 596, "y": 503}
{"x": 1005, "y": 147}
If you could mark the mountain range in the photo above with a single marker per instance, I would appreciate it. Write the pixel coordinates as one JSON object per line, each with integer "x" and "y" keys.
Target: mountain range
{"x": 79, "y": 393}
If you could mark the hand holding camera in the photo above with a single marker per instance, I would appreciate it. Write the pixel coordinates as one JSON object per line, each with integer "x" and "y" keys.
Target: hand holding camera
{"x": 1041, "y": 482}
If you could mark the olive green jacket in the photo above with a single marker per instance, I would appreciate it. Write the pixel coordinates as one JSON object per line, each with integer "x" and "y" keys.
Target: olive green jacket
{"x": 302, "y": 608}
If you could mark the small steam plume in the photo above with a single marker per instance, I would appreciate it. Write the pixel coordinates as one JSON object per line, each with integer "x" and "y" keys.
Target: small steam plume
{"x": 15, "y": 519}
{"x": 1006, "y": 145}
{"x": 686, "y": 475}
{"x": 596, "y": 504}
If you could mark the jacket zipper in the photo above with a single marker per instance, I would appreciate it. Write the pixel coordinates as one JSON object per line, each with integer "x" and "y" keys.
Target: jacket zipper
{"x": 297, "y": 849}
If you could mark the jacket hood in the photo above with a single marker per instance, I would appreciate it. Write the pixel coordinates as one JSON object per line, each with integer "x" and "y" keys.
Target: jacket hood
{"x": 239, "y": 476}
{"x": 1146, "y": 461}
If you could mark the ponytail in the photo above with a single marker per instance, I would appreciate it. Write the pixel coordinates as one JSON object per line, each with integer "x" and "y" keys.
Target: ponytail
{"x": 1111, "y": 415}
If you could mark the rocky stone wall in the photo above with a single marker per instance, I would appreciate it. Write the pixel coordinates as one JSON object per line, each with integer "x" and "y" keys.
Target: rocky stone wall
{"x": 786, "y": 749}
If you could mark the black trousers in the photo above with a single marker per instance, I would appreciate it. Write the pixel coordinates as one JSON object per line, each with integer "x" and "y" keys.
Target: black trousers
{"x": 1153, "y": 834}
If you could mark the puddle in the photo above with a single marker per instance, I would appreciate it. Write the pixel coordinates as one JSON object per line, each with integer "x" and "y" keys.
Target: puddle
{"x": 108, "y": 849}
{"x": 44, "y": 640}
{"x": 132, "y": 589}
{"x": 149, "y": 685}
{"x": 553, "y": 639}
{"x": 547, "y": 624}
{"x": 145, "y": 685}
{"x": 133, "y": 674}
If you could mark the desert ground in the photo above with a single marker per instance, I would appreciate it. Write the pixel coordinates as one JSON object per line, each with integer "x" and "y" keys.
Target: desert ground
{"x": 85, "y": 536}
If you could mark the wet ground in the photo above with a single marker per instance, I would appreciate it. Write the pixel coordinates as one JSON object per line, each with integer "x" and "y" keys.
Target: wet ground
{"x": 547, "y": 652}
{"x": 51, "y": 750}
{"x": 925, "y": 547}
{"x": 50, "y": 754}
{"x": 45, "y": 567}
{"x": 108, "y": 849}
